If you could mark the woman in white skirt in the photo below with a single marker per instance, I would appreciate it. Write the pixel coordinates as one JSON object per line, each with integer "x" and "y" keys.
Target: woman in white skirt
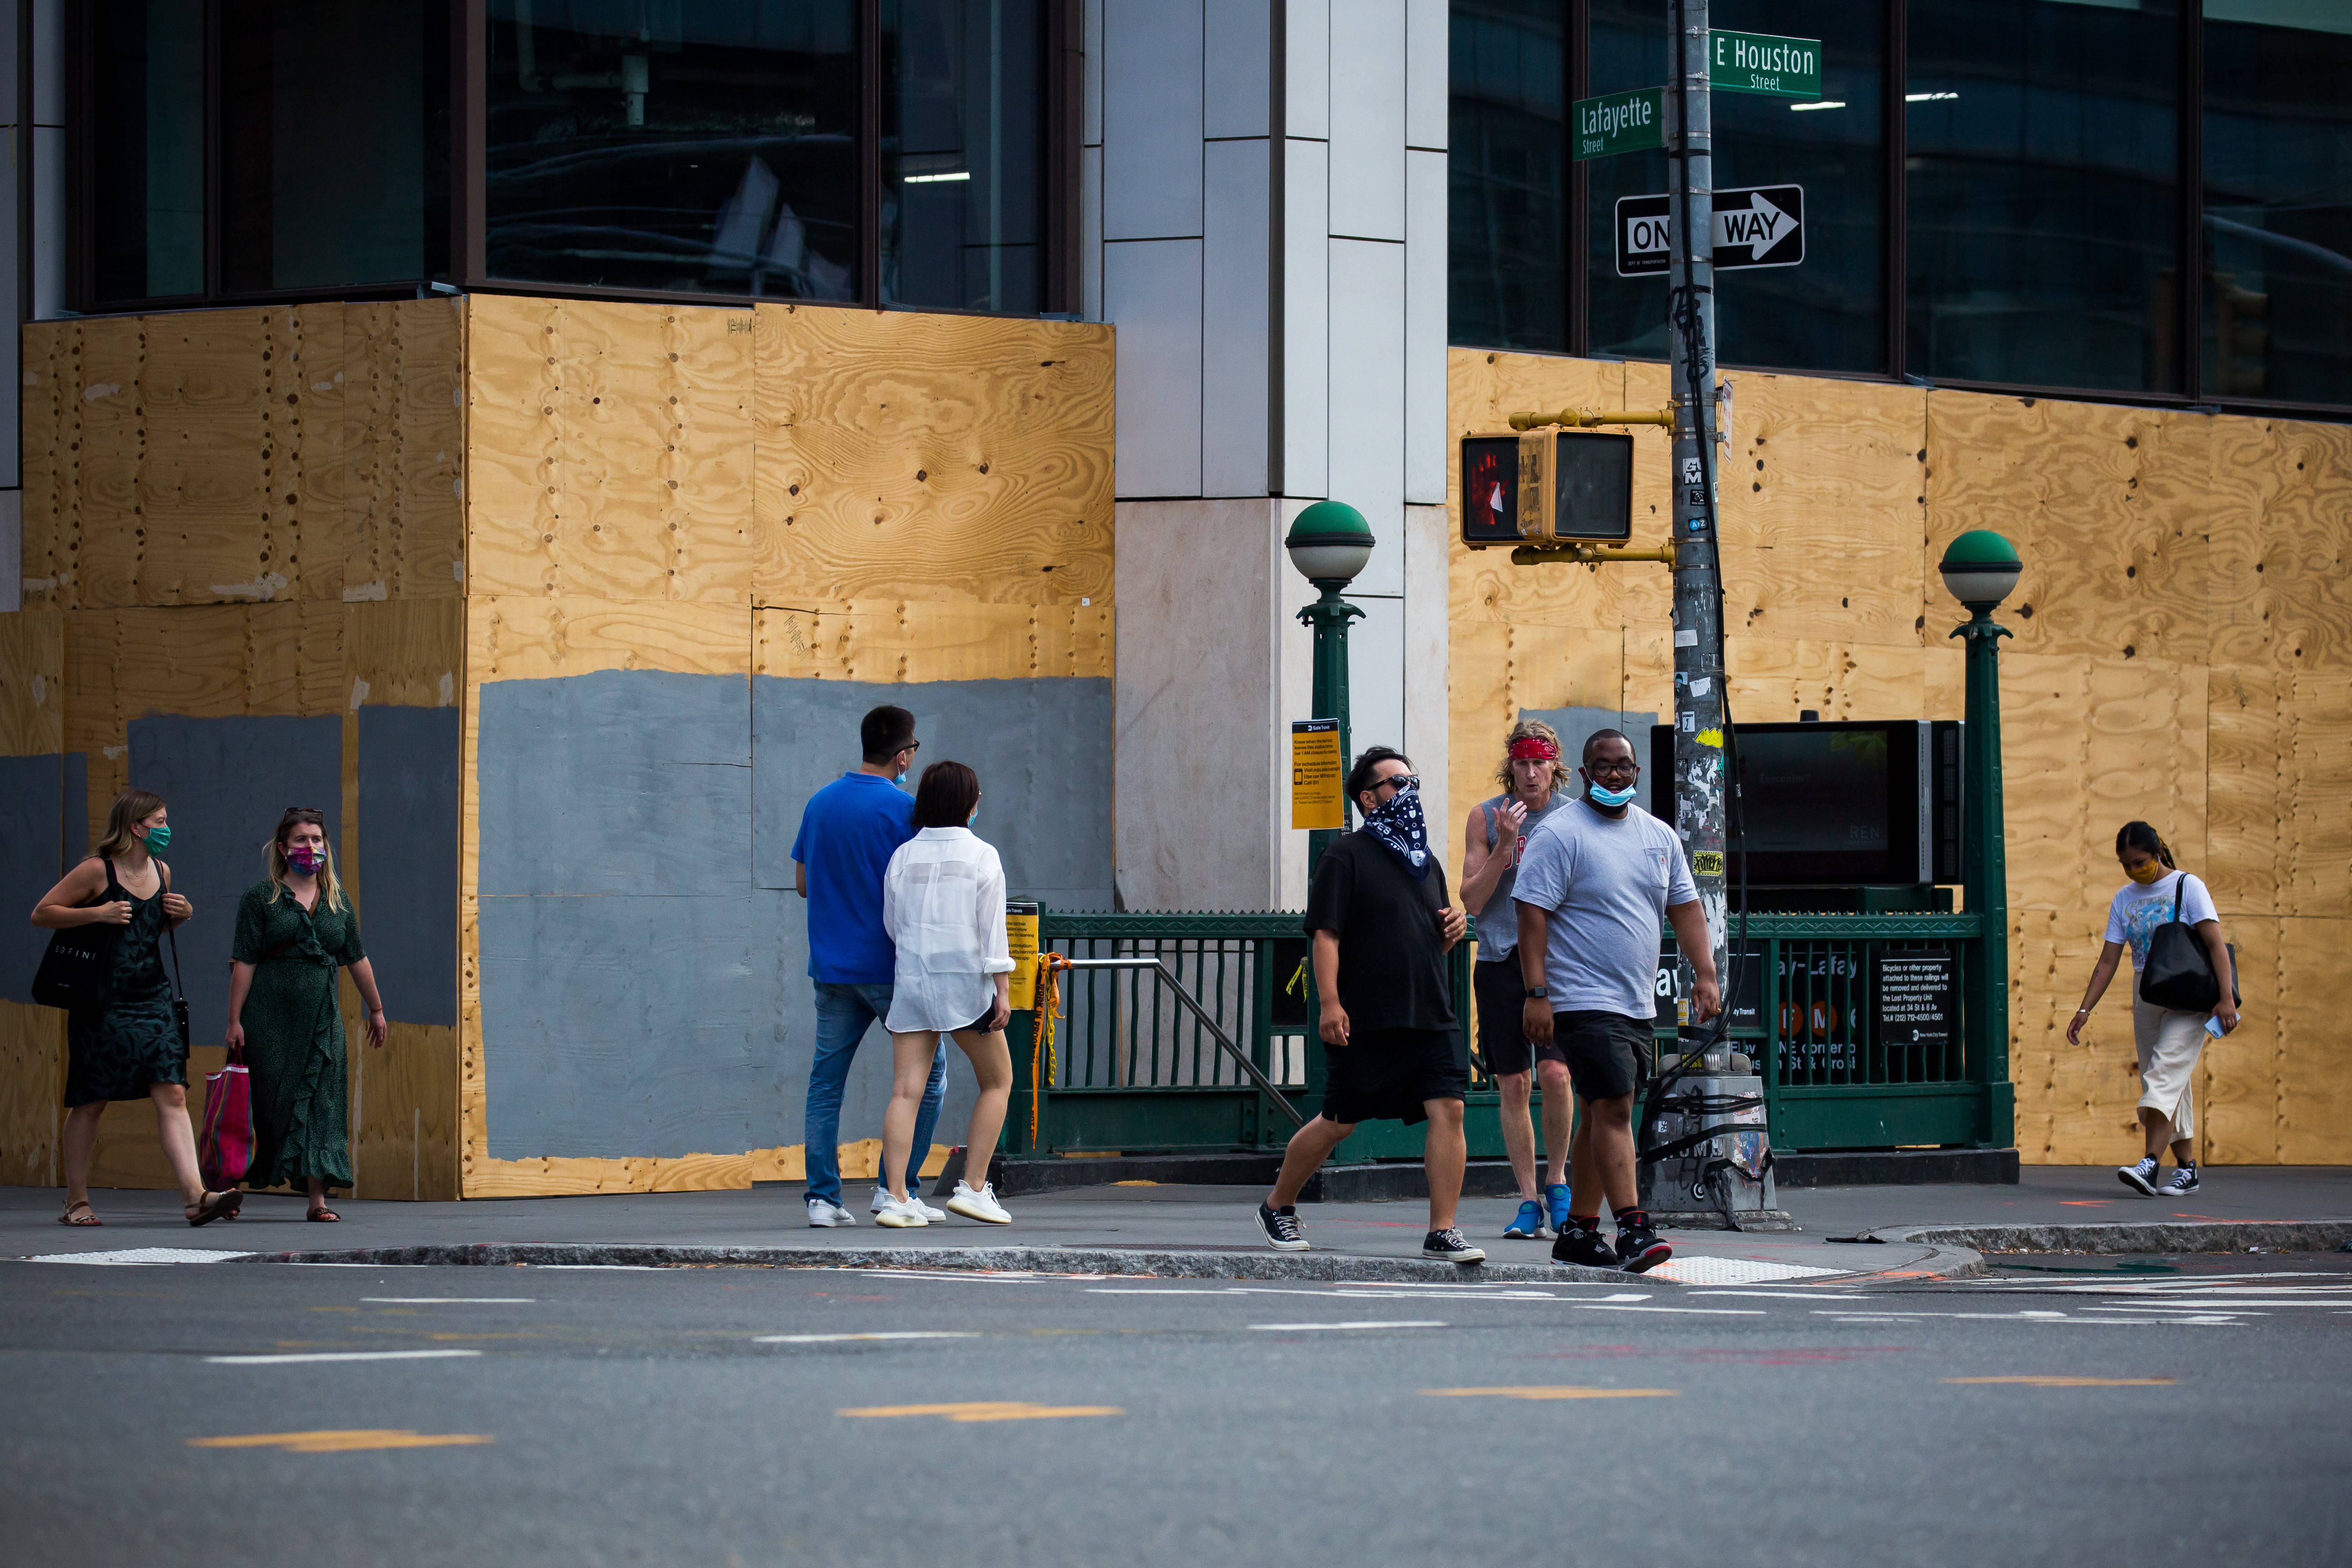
{"x": 943, "y": 905}
{"x": 2169, "y": 1042}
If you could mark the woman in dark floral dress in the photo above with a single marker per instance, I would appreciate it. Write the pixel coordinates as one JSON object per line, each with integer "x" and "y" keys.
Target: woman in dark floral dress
{"x": 130, "y": 1047}
{"x": 293, "y": 931}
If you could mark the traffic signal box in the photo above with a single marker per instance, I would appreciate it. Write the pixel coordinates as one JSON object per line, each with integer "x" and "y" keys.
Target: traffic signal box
{"x": 1546, "y": 487}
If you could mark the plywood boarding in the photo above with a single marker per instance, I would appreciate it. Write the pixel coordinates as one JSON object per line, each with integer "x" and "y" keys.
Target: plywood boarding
{"x": 885, "y": 640}
{"x": 2282, "y": 583}
{"x": 50, "y": 427}
{"x": 402, "y": 526}
{"x": 611, "y": 450}
{"x": 2316, "y": 824}
{"x": 2238, "y": 1076}
{"x": 2314, "y": 1094}
{"x": 2250, "y": 764}
{"x": 2108, "y": 506}
{"x": 932, "y": 457}
{"x": 32, "y": 1093}
{"x": 32, "y": 684}
{"x": 549, "y": 1177}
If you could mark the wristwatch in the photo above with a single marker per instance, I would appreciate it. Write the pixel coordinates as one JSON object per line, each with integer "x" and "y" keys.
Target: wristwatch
{"x": 1540, "y": 993}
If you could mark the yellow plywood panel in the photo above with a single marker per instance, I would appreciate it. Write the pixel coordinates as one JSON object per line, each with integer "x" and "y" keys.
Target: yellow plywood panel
{"x": 1946, "y": 679}
{"x": 932, "y": 640}
{"x": 113, "y": 439}
{"x": 2238, "y": 1076}
{"x": 1775, "y": 679}
{"x": 2045, "y": 737}
{"x": 50, "y": 444}
{"x": 2108, "y": 507}
{"x": 532, "y": 639}
{"x": 404, "y": 1113}
{"x": 32, "y": 1092}
{"x": 2282, "y": 586}
{"x": 2315, "y": 1105}
{"x": 2083, "y": 1095}
{"x": 409, "y": 652}
{"x": 2248, "y": 765}
{"x": 32, "y": 684}
{"x": 552, "y": 1177}
{"x": 1823, "y": 510}
{"x": 902, "y": 455}
{"x": 2144, "y": 757}
{"x": 211, "y": 507}
{"x": 2316, "y": 826}
{"x": 611, "y": 450}
{"x": 404, "y": 434}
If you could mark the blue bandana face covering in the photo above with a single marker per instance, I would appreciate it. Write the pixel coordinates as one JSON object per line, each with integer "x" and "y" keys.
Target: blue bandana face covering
{"x": 1400, "y": 828}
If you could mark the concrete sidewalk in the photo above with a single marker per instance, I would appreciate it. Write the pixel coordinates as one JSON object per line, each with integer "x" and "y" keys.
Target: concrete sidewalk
{"x": 1923, "y": 1231}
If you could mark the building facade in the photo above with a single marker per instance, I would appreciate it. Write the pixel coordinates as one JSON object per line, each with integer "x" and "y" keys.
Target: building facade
{"x": 537, "y": 426}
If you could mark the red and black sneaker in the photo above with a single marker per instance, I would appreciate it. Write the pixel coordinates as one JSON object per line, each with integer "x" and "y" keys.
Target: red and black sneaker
{"x": 1581, "y": 1241}
{"x": 1639, "y": 1250}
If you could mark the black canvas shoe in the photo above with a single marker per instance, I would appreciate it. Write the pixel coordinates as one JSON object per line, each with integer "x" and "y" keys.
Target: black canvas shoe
{"x": 2183, "y": 1183}
{"x": 1589, "y": 1248}
{"x": 1448, "y": 1246}
{"x": 1281, "y": 1228}
{"x": 2139, "y": 1178}
{"x": 1639, "y": 1250}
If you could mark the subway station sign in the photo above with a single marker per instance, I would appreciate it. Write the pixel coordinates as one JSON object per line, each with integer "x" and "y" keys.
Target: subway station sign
{"x": 1764, "y": 62}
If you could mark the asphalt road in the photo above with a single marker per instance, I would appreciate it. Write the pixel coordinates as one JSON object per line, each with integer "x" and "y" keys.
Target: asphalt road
{"x": 2064, "y": 1411}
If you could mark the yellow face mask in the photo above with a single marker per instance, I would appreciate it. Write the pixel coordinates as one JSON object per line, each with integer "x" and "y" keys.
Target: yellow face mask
{"x": 2154, "y": 871}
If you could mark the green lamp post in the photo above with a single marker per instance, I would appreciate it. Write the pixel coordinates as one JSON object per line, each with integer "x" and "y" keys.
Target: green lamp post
{"x": 1329, "y": 543}
{"x": 1980, "y": 569}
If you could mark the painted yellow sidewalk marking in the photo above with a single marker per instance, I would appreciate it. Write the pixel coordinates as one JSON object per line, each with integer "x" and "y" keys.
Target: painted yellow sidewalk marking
{"x": 989, "y": 1410}
{"x": 1559, "y": 1391}
{"x": 353, "y": 1442}
{"x": 2040, "y": 1380}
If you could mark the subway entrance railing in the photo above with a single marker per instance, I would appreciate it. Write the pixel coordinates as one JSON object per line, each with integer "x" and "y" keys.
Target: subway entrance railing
{"x": 1855, "y": 1022}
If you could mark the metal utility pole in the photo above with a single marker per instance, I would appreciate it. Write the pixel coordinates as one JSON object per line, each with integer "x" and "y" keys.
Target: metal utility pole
{"x": 1699, "y": 598}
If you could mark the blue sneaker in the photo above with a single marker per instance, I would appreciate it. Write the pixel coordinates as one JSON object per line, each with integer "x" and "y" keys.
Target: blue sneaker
{"x": 1528, "y": 1224}
{"x": 1555, "y": 1207}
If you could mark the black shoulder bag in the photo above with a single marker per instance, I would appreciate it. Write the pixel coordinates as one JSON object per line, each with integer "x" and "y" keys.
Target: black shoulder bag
{"x": 179, "y": 991}
{"x": 2178, "y": 972}
{"x": 73, "y": 971}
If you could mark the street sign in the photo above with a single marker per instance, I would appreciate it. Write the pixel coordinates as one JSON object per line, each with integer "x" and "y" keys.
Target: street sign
{"x": 1762, "y": 226}
{"x": 1316, "y": 797}
{"x": 1620, "y": 122}
{"x": 1764, "y": 62}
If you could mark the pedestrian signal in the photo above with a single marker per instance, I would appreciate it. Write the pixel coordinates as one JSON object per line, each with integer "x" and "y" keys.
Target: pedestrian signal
{"x": 1547, "y": 487}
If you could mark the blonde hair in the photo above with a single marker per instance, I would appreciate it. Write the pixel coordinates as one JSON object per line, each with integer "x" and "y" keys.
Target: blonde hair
{"x": 330, "y": 892}
{"x": 132, "y": 807}
{"x": 1529, "y": 730}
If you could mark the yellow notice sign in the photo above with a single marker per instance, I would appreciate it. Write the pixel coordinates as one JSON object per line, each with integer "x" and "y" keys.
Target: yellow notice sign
{"x": 1020, "y": 941}
{"x": 1316, "y": 767}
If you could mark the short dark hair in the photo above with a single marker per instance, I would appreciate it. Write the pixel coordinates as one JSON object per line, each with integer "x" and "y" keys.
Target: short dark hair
{"x": 2139, "y": 835}
{"x": 1360, "y": 777}
{"x": 947, "y": 796}
{"x": 1598, "y": 736}
{"x": 885, "y": 732}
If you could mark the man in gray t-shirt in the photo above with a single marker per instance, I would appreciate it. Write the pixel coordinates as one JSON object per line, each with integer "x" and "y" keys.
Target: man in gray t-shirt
{"x": 1597, "y": 877}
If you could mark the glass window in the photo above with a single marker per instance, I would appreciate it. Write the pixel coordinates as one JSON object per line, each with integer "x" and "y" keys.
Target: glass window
{"x": 146, "y": 148}
{"x": 2278, "y": 200}
{"x": 1507, "y": 175}
{"x": 2044, "y": 192}
{"x": 962, "y": 105}
{"x": 654, "y": 144}
{"x": 334, "y": 163}
{"x": 1829, "y": 311}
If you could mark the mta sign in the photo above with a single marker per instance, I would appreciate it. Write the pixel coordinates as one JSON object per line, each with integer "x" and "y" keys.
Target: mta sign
{"x": 1762, "y": 226}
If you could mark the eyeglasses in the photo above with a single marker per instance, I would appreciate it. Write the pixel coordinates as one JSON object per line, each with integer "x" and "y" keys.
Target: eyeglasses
{"x": 1613, "y": 767}
{"x": 912, "y": 746}
{"x": 1399, "y": 781}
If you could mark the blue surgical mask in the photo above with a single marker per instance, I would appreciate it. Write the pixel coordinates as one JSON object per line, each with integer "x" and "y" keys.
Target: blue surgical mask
{"x": 974, "y": 817}
{"x": 158, "y": 838}
{"x": 1612, "y": 798}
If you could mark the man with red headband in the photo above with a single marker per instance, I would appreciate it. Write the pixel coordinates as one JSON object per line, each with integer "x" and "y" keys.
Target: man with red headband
{"x": 1492, "y": 839}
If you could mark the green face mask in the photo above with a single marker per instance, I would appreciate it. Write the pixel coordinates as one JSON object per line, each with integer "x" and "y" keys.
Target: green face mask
{"x": 158, "y": 838}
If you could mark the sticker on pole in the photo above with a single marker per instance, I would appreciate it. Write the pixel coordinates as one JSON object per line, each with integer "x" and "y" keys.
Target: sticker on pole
{"x": 1762, "y": 226}
{"x": 1315, "y": 765}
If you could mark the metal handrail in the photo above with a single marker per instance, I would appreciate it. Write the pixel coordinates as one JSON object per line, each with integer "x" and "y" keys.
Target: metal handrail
{"x": 1264, "y": 1084}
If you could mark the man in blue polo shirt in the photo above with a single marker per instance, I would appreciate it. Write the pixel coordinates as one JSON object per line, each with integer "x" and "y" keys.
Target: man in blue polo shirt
{"x": 848, "y": 833}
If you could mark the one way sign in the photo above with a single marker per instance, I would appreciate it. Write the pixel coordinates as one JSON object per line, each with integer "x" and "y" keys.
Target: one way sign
{"x": 1761, "y": 227}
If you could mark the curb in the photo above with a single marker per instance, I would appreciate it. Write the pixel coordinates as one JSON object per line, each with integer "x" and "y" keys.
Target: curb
{"x": 1332, "y": 1266}
{"x": 2229, "y": 1236}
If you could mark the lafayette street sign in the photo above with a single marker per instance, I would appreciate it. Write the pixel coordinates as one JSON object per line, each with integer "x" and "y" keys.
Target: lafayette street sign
{"x": 1764, "y": 62}
{"x": 1764, "y": 227}
{"x": 1620, "y": 122}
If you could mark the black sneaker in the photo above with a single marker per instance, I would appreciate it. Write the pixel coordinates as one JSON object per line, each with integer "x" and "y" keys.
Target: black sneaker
{"x": 1589, "y": 1248}
{"x": 1281, "y": 1227}
{"x": 1639, "y": 1250}
{"x": 2183, "y": 1183}
{"x": 1448, "y": 1246}
{"x": 2141, "y": 1178}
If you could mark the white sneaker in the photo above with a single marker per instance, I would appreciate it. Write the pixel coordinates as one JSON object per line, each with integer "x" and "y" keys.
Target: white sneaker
{"x": 980, "y": 1205}
{"x": 822, "y": 1214}
{"x": 882, "y": 1197}
{"x": 898, "y": 1215}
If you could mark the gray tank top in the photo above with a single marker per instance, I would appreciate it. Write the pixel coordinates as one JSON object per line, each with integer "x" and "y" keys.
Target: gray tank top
{"x": 1498, "y": 922}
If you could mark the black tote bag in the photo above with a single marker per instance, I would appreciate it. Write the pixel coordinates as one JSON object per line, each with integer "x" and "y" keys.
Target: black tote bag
{"x": 2178, "y": 972}
{"x": 73, "y": 971}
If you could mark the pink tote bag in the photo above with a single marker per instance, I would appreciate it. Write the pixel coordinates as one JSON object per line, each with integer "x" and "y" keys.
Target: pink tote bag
{"x": 226, "y": 1150}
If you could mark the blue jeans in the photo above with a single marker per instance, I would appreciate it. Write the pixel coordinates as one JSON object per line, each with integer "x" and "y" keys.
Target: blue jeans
{"x": 843, "y": 1013}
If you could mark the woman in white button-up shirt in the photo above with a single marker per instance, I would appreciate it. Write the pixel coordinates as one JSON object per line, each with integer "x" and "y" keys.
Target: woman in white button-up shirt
{"x": 943, "y": 905}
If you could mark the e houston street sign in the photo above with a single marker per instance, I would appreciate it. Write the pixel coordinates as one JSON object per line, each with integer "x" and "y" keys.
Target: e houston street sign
{"x": 1764, "y": 227}
{"x": 1763, "y": 62}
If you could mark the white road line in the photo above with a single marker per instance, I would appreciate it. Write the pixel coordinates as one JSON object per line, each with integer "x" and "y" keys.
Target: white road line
{"x": 1314, "y": 1328}
{"x": 836, "y": 1339}
{"x": 452, "y": 1300}
{"x": 1697, "y": 1312}
{"x": 336, "y": 1355}
{"x": 1792, "y": 1295}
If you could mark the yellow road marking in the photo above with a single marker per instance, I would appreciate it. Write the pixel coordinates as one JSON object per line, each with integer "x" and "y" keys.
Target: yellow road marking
{"x": 1561, "y": 1391}
{"x": 351, "y": 1442}
{"x": 989, "y": 1410}
{"x": 2040, "y": 1381}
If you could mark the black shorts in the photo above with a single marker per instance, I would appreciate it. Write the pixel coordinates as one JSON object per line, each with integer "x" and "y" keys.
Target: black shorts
{"x": 1607, "y": 1054}
{"x": 1502, "y": 992}
{"x": 1387, "y": 1075}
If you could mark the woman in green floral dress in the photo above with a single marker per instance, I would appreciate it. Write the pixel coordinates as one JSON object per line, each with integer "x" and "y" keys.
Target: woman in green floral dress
{"x": 293, "y": 931}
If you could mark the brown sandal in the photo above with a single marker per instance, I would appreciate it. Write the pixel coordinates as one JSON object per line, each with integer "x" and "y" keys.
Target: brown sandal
{"x": 324, "y": 1216}
{"x": 212, "y": 1205}
{"x": 88, "y": 1214}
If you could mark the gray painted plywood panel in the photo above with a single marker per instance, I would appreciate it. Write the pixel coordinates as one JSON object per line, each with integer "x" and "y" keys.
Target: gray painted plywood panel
{"x": 226, "y": 781}
{"x": 31, "y": 816}
{"x": 407, "y": 843}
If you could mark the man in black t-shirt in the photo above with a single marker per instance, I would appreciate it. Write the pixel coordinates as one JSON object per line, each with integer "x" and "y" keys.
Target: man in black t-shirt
{"x": 1378, "y": 919}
